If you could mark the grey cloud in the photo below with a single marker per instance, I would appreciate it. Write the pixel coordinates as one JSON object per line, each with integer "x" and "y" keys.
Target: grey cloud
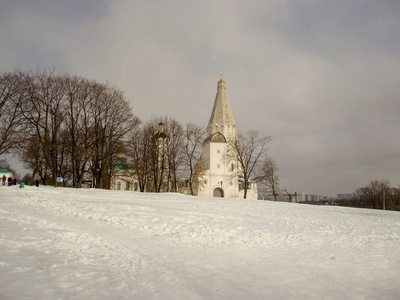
{"x": 321, "y": 77}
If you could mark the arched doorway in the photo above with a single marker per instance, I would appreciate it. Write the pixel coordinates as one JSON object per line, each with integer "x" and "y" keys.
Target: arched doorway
{"x": 218, "y": 192}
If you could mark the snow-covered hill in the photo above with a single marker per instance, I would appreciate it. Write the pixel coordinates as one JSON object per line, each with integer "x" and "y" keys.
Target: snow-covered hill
{"x": 59, "y": 243}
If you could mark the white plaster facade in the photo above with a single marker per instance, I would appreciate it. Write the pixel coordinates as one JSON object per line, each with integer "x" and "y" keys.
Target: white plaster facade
{"x": 124, "y": 178}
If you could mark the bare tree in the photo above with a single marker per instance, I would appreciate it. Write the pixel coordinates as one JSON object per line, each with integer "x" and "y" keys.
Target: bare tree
{"x": 149, "y": 148}
{"x": 11, "y": 119}
{"x": 112, "y": 121}
{"x": 290, "y": 196}
{"x": 139, "y": 152}
{"x": 194, "y": 136}
{"x": 268, "y": 176}
{"x": 43, "y": 110}
{"x": 377, "y": 194}
{"x": 175, "y": 133}
{"x": 78, "y": 127}
{"x": 155, "y": 150}
{"x": 32, "y": 157}
{"x": 248, "y": 151}
{"x": 396, "y": 199}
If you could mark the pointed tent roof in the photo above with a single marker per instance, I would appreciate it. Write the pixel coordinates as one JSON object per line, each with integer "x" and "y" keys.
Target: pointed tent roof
{"x": 221, "y": 115}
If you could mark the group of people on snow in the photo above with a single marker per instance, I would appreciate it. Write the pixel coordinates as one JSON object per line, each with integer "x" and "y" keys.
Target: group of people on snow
{"x": 9, "y": 181}
{"x": 13, "y": 181}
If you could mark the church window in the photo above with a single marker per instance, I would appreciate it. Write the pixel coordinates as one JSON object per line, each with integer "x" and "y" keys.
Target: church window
{"x": 218, "y": 166}
{"x": 218, "y": 151}
{"x": 118, "y": 185}
{"x": 232, "y": 167}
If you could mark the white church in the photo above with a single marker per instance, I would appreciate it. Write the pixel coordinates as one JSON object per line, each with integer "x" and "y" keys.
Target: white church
{"x": 222, "y": 177}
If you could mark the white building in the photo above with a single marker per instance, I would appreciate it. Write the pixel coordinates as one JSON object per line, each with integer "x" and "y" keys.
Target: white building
{"x": 344, "y": 196}
{"x": 221, "y": 178}
{"x": 124, "y": 178}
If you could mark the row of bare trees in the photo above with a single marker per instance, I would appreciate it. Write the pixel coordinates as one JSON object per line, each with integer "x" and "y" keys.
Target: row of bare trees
{"x": 78, "y": 129}
{"x": 68, "y": 126}
{"x": 63, "y": 126}
{"x": 157, "y": 172}
{"x": 378, "y": 194}
{"x": 163, "y": 159}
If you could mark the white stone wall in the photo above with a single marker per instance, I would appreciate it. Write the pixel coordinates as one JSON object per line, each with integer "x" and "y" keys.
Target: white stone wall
{"x": 219, "y": 173}
{"x": 252, "y": 193}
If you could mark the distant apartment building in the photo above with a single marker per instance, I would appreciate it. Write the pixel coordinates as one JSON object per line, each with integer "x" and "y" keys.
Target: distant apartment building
{"x": 300, "y": 197}
{"x": 303, "y": 197}
{"x": 344, "y": 196}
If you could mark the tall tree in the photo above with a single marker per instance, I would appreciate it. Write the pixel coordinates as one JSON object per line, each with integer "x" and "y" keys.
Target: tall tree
{"x": 139, "y": 146}
{"x": 194, "y": 136}
{"x": 396, "y": 199}
{"x": 248, "y": 150}
{"x": 78, "y": 126}
{"x": 11, "y": 120}
{"x": 112, "y": 121}
{"x": 175, "y": 133}
{"x": 269, "y": 176}
{"x": 32, "y": 156}
{"x": 43, "y": 110}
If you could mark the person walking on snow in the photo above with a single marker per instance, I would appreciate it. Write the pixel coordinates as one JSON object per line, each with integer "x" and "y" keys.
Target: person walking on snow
{"x": 4, "y": 179}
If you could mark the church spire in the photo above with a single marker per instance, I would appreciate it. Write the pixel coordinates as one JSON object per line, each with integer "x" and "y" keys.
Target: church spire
{"x": 221, "y": 119}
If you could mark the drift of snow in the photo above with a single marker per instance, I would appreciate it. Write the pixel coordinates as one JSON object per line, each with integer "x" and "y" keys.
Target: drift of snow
{"x": 100, "y": 244}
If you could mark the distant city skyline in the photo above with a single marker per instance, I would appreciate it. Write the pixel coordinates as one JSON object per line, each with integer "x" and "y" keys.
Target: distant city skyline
{"x": 321, "y": 77}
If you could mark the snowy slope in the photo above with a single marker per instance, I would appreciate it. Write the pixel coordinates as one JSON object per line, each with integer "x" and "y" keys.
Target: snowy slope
{"x": 58, "y": 243}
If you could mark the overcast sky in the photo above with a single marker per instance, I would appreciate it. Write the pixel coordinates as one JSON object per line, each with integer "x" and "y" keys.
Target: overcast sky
{"x": 321, "y": 77}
